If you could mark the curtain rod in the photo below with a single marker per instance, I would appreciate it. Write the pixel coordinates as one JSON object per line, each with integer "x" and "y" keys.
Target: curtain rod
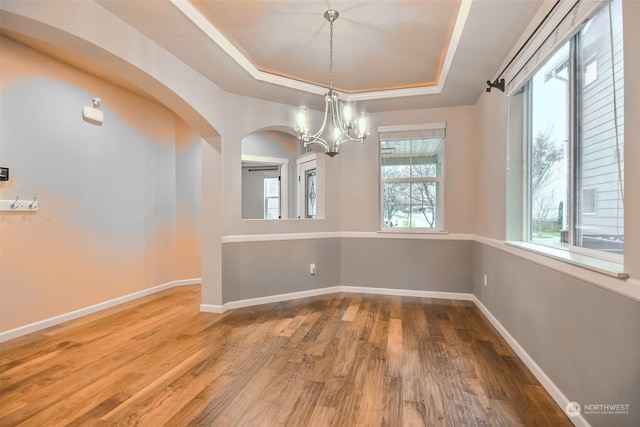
{"x": 498, "y": 83}
{"x": 265, "y": 168}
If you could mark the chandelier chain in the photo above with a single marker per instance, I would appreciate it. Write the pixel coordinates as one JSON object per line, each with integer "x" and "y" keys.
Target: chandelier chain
{"x": 331, "y": 56}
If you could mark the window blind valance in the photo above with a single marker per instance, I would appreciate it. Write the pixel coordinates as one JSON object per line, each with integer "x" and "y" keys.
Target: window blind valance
{"x": 404, "y": 132}
{"x": 566, "y": 20}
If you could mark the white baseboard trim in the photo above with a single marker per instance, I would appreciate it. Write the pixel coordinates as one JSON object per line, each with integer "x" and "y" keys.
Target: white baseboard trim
{"x": 407, "y": 293}
{"x": 214, "y": 308}
{"x": 211, "y": 308}
{"x": 546, "y": 382}
{"x": 52, "y": 321}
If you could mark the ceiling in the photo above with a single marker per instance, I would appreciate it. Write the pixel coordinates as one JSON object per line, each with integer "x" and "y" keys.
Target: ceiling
{"x": 388, "y": 54}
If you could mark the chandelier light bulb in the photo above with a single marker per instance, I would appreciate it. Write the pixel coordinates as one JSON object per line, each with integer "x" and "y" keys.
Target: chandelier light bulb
{"x": 336, "y": 133}
{"x": 363, "y": 127}
{"x": 347, "y": 114}
{"x": 302, "y": 121}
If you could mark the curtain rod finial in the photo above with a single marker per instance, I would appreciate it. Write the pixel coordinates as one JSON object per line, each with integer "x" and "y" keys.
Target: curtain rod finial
{"x": 498, "y": 84}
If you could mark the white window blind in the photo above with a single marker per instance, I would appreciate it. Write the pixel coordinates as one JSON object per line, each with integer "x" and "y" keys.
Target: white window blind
{"x": 402, "y": 132}
{"x": 566, "y": 20}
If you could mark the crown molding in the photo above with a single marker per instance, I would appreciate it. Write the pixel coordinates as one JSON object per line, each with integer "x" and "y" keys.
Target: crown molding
{"x": 210, "y": 30}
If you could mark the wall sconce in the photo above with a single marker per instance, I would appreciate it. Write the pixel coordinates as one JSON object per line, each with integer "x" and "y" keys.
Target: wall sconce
{"x": 92, "y": 114}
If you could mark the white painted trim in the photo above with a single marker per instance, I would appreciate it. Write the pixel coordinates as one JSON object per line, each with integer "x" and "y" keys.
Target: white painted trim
{"x": 417, "y": 235}
{"x": 345, "y": 234}
{"x": 278, "y": 237}
{"x": 211, "y": 308}
{"x": 394, "y": 93}
{"x": 52, "y": 321}
{"x": 629, "y": 288}
{"x": 407, "y": 293}
{"x": 610, "y": 268}
{"x": 263, "y": 159}
{"x": 407, "y": 128}
{"x": 194, "y": 15}
{"x": 202, "y": 23}
{"x": 546, "y": 382}
{"x": 461, "y": 20}
{"x": 303, "y": 165}
{"x": 562, "y": 24}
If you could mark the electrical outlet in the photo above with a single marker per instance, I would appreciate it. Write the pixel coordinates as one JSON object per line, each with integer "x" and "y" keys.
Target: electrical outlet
{"x": 312, "y": 269}
{"x": 485, "y": 281}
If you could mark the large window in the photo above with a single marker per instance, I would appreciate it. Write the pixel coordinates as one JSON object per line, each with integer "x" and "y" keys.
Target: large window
{"x": 411, "y": 162}
{"x": 574, "y": 127}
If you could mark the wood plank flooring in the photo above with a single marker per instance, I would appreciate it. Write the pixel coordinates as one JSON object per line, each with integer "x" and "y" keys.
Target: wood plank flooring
{"x": 334, "y": 360}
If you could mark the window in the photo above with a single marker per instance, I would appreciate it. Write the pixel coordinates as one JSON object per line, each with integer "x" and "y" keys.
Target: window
{"x": 310, "y": 193}
{"x": 264, "y": 187}
{"x": 271, "y": 198}
{"x": 307, "y": 187}
{"x": 590, "y": 71}
{"x": 411, "y": 163}
{"x": 573, "y": 118}
{"x": 589, "y": 201}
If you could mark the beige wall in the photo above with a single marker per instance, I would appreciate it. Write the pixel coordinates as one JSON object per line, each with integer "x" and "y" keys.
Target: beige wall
{"x": 359, "y": 184}
{"x": 107, "y": 221}
{"x": 491, "y": 166}
{"x": 246, "y": 116}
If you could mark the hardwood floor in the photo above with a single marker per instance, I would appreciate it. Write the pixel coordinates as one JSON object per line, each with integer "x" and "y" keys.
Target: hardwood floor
{"x": 342, "y": 359}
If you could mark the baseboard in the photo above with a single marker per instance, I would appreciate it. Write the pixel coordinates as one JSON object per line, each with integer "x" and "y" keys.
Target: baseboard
{"x": 546, "y": 382}
{"x": 213, "y": 308}
{"x": 407, "y": 293}
{"x": 53, "y": 321}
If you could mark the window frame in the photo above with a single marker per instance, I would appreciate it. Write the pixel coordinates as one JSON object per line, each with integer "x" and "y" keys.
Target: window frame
{"x": 304, "y": 164}
{"x": 576, "y": 87}
{"x": 412, "y": 132}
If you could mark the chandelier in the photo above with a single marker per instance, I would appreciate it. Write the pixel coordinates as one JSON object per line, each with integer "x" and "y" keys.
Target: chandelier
{"x": 339, "y": 120}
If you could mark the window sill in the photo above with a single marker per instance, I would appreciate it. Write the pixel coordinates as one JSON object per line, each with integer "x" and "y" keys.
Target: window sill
{"x": 609, "y": 268}
{"x": 415, "y": 230}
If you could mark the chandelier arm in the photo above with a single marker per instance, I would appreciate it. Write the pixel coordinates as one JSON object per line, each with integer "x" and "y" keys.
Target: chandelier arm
{"x": 324, "y": 121}
{"x": 335, "y": 120}
{"x": 346, "y": 138}
{"x": 344, "y": 131}
{"x": 318, "y": 141}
